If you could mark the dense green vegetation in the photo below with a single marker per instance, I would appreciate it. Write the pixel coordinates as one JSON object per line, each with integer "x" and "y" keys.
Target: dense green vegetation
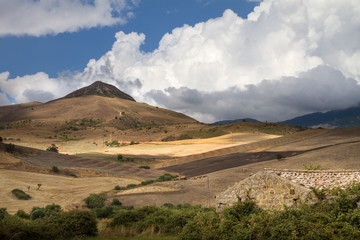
{"x": 47, "y": 223}
{"x": 335, "y": 218}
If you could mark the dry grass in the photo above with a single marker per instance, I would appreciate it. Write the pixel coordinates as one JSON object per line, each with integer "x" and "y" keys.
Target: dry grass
{"x": 54, "y": 189}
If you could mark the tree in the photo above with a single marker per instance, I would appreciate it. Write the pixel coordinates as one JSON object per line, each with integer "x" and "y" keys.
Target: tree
{"x": 95, "y": 201}
{"x": 53, "y": 148}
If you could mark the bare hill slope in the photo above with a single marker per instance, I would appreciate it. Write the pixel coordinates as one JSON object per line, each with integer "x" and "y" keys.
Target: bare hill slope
{"x": 99, "y": 102}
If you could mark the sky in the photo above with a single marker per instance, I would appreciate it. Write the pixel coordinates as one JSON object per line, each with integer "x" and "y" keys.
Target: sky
{"x": 271, "y": 60}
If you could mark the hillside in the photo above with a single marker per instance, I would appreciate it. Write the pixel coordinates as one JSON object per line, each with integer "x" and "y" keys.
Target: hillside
{"x": 99, "y": 103}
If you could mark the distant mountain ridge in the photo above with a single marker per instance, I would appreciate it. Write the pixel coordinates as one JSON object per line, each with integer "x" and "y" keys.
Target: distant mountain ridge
{"x": 349, "y": 117}
{"x": 99, "y": 88}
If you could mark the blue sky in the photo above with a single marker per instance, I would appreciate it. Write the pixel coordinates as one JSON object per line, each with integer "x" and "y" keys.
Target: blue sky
{"x": 211, "y": 59}
{"x": 53, "y": 54}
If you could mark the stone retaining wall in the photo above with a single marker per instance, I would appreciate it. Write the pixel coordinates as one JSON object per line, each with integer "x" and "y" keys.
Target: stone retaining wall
{"x": 267, "y": 189}
{"x": 319, "y": 178}
{"x": 274, "y": 189}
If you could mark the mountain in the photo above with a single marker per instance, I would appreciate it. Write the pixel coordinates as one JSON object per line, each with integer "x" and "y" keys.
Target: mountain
{"x": 339, "y": 118}
{"x": 100, "y": 89}
{"x": 99, "y": 101}
{"x": 224, "y": 122}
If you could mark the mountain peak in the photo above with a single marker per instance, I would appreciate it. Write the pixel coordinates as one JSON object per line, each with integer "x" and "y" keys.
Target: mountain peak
{"x": 99, "y": 88}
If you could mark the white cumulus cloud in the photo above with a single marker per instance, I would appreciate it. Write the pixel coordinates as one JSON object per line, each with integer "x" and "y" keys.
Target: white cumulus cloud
{"x": 36, "y": 18}
{"x": 287, "y": 58}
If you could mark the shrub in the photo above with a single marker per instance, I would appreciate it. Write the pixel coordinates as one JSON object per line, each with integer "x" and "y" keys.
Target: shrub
{"x": 116, "y": 202}
{"x": 129, "y": 186}
{"x": 22, "y": 214}
{"x": 20, "y": 194}
{"x": 74, "y": 224}
{"x": 104, "y": 212}
{"x": 3, "y": 213}
{"x": 95, "y": 201}
{"x": 165, "y": 177}
{"x": 279, "y": 156}
{"x": 55, "y": 169}
{"x": 133, "y": 143}
{"x": 114, "y": 143}
{"x": 53, "y": 148}
{"x": 37, "y": 212}
{"x": 313, "y": 167}
{"x": 117, "y": 187}
{"x": 146, "y": 182}
{"x": 9, "y": 147}
{"x": 145, "y": 167}
{"x": 120, "y": 157}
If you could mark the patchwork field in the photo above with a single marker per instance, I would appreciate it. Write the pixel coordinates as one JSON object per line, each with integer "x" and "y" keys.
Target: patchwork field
{"x": 221, "y": 160}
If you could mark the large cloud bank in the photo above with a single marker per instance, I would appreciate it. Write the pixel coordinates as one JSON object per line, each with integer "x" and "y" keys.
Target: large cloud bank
{"x": 36, "y": 18}
{"x": 286, "y": 59}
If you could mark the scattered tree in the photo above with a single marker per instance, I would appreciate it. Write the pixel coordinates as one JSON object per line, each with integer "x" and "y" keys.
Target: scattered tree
{"x": 55, "y": 169}
{"x": 53, "y": 148}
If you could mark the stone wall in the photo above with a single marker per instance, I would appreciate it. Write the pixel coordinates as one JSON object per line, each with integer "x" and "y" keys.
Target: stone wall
{"x": 319, "y": 178}
{"x": 273, "y": 188}
{"x": 267, "y": 189}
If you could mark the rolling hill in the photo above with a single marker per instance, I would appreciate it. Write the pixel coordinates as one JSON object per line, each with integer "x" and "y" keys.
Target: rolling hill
{"x": 96, "y": 103}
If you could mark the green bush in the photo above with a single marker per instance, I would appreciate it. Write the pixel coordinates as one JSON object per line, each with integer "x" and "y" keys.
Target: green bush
{"x": 37, "y": 212}
{"x": 313, "y": 167}
{"x": 9, "y": 147}
{"x": 114, "y": 143}
{"x": 3, "y": 213}
{"x": 53, "y": 148}
{"x": 116, "y": 202}
{"x": 22, "y": 214}
{"x": 120, "y": 157}
{"x": 104, "y": 212}
{"x": 40, "y": 212}
{"x": 20, "y": 194}
{"x": 117, "y": 187}
{"x": 55, "y": 169}
{"x": 129, "y": 186}
{"x": 165, "y": 177}
{"x": 146, "y": 182}
{"x": 145, "y": 167}
{"x": 95, "y": 201}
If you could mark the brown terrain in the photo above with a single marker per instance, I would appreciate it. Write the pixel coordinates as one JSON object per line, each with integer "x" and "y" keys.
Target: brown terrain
{"x": 83, "y": 124}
